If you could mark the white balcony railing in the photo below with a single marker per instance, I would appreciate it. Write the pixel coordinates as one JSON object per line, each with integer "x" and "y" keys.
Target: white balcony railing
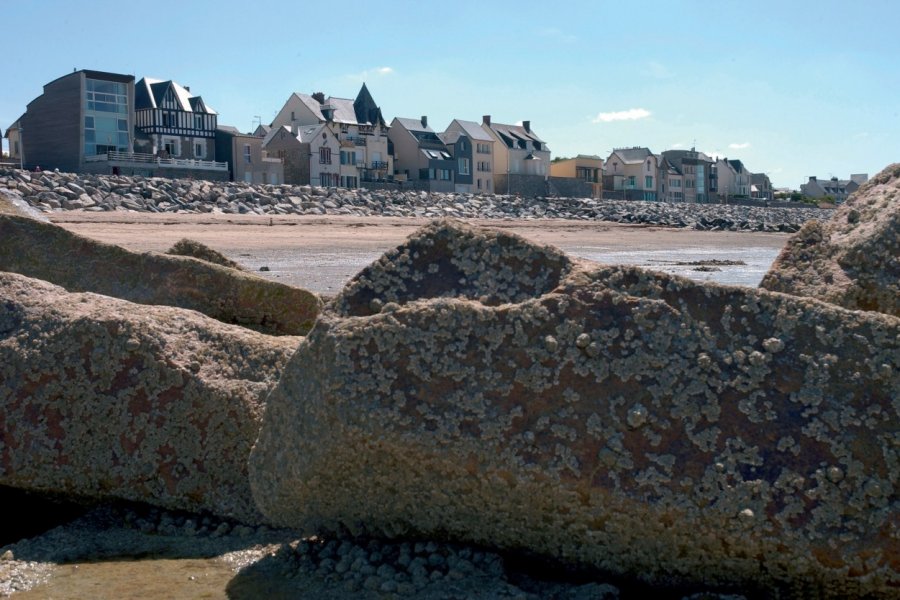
{"x": 126, "y": 159}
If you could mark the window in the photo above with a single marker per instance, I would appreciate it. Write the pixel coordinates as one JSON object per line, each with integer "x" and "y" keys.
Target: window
{"x": 445, "y": 174}
{"x": 348, "y": 157}
{"x": 324, "y": 156}
{"x": 479, "y": 184}
{"x": 198, "y": 122}
{"x": 464, "y": 166}
{"x": 648, "y": 166}
{"x": 632, "y": 181}
{"x": 165, "y": 119}
{"x": 292, "y": 116}
{"x": 247, "y": 158}
{"x": 198, "y": 151}
{"x": 170, "y": 147}
{"x": 648, "y": 181}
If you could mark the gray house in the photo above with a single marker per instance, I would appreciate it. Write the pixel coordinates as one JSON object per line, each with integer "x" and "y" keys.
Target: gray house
{"x": 420, "y": 156}
{"x": 472, "y": 147}
{"x": 77, "y": 117}
{"x": 839, "y": 189}
{"x": 698, "y": 179}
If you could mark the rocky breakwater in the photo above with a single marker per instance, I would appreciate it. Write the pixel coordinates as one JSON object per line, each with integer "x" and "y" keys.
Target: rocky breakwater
{"x": 102, "y": 398}
{"x": 79, "y": 264}
{"x": 50, "y": 191}
{"x": 853, "y": 259}
{"x": 475, "y": 387}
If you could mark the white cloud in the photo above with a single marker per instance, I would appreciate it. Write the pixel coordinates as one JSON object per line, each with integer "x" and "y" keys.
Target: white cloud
{"x": 632, "y": 114}
{"x": 370, "y": 74}
{"x": 739, "y": 146}
{"x": 678, "y": 145}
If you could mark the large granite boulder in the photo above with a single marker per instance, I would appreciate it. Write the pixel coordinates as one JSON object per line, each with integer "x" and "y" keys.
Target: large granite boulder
{"x": 102, "y": 398}
{"x": 853, "y": 259}
{"x": 79, "y": 264}
{"x": 473, "y": 386}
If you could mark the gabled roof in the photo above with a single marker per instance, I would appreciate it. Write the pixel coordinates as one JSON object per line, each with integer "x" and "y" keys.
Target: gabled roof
{"x": 450, "y": 137}
{"x": 149, "y": 93}
{"x": 413, "y": 125}
{"x": 310, "y": 132}
{"x": 230, "y": 130}
{"x": 343, "y": 110}
{"x": 737, "y": 165}
{"x": 474, "y": 130}
{"x": 275, "y": 131}
{"x": 15, "y": 127}
{"x": 631, "y": 156}
{"x": 514, "y": 132}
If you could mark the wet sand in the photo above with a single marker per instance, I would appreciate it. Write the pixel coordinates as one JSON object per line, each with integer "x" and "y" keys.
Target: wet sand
{"x": 321, "y": 253}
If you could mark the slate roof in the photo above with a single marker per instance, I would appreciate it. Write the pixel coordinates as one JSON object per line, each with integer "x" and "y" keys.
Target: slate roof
{"x": 310, "y": 132}
{"x": 512, "y": 133}
{"x": 367, "y": 112}
{"x": 228, "y": 129}
{"x": 149, "y": 93}
{"x": 474, "y": 130}
{"x": 450, "y": 137}
{"x": 413, "y": 125}
{"x": 631, "y": 156}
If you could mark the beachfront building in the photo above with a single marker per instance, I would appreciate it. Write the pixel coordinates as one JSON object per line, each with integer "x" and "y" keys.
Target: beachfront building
{"x": 14, "y": 141}
{"x": 583, "y": 169}
{"x": 521, "y": 158}
{"x": 247, "y": 161}
{"x": 178, "y": 124}
{"x": 78, "y": 116}
{"x": 631, "y": 174}
{"x": 473, "y": 150}
{"x": 310, "y": 154}
{"x": 420, "y": 157}
{"x": 671, "y": 180}
{"x": 838, "y": 189}
{"x": 359, "y": 126}
{"x": 698, "y": 178}
{"x": 761, "y": 187}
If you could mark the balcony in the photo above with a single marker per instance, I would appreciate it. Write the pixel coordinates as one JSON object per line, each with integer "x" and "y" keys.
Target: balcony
{"x": 376, "y": 164}
{"x": 139, "y": 160}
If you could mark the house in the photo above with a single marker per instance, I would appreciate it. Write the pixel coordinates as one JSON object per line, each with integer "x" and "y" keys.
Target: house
{"x": 473, "y": 150}
{"x": 671, "y": 180}
{"x": 310, "y": 156}
{"x": 733, "y": 179}
{"x": 179, "y": 124}
{"x": 631, "y": 174}
{"x": 14, "y": 141}
{"x": 78, "y": 116}
{"x": 359, "y": 126}
{"x": 583, "y": 168}
{"x": 698, "y": 177}
{"x": 246, "y": 158}
{"x": 420, "y": 156}
{"x": 838, "y": 189}
{"x": 761, "y": 187}
{"x": 521, "y": 158}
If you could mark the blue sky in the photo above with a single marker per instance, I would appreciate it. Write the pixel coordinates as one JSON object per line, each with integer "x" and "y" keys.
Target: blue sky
{"x": 791, "y": 88}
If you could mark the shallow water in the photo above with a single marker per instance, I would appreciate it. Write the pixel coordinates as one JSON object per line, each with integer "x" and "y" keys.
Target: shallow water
{"x": 326, "y": 272}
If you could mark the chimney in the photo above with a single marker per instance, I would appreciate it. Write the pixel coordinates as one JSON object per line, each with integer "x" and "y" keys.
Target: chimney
{"x": 319, "y": 97}
{"x": 424, "y": 121}
{"x": 486, "y": 120}
{"x": 187, "y": 88}
{"x": 527, "y": 126}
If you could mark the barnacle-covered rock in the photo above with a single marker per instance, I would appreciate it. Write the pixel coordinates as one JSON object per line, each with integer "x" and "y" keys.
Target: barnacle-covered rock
{"x": 611, "y": 417}
{"x": 853, "y": 259}
{"x": 79, "y": 264}
{"x": 103, "y": 398}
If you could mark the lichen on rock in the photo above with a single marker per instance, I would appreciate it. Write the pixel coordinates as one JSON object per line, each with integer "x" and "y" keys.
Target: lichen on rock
{"x": 611, "y": 417}
{"x": 853, "y": 259}
{"x": 79, "y": 264}
{"x": 102, "y": 398}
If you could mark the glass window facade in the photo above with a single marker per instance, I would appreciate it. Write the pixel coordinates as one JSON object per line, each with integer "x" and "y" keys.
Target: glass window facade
{"x": 106, "y": 117}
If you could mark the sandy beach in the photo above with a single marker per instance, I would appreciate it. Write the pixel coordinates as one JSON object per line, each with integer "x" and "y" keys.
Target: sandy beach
{"x": 321, "y": 253}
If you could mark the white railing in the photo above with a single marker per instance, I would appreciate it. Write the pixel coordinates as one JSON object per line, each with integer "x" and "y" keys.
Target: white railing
{"x": 126, "y": 158}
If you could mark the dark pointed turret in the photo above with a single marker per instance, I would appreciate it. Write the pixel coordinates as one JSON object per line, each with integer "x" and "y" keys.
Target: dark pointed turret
{"x": 365, "y": 108}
